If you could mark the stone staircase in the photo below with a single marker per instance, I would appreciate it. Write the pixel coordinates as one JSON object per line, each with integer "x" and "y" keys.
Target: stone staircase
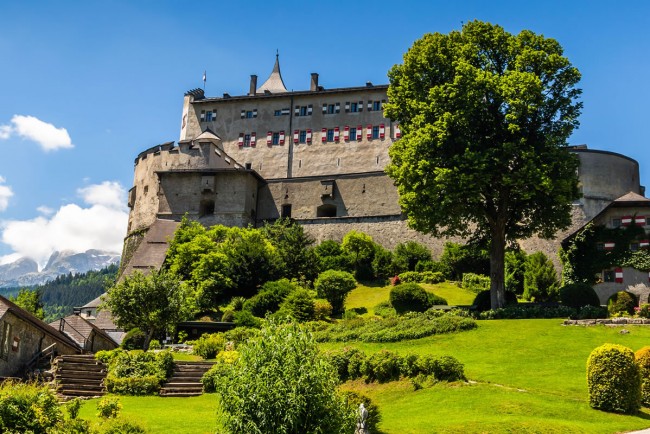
{"x": 79, "y": 375}
{"x": 186, "y": 379}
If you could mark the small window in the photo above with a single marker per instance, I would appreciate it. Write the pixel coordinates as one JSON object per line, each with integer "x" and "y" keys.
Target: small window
{"x": 600, "y": 246}
{"x": 275, "y": 139}
{"x": 249, "y": 114}
{"x": 206, "y": 207}
{"x": 330, "y": 135}
{"x": 354, "y": 107}
{"x": 353, "y": 133}
{"x": 616, "y": 223}
{"x": 331, "y": 109}
{"x": 634, "y": 247}
{"x": 609, "y": 276}
{"x": 303, "y": 111}
{"x": 376, "y": 106}
{"x": 302, "y": 136}
{"x": 286, "y": 211}
{"x": 249, "y": 166}
{"x": 375, "y": 132}
{"x": 277, "y": 113}
{"x": 89, "y": 313}
{"x": 247, "y": 140}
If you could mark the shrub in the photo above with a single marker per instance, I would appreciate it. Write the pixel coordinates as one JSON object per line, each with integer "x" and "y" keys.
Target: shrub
{"x": 410, "y": 277}
{"x": 613, "y": 379}
{"x": 475, "y": 282}
{"x": 133, "y": 340}
{"x": 382, "y": 366}
{"x": 299, "y": 305}
{"x": 459, "y": 259}
{"x": 447, "y": 368}
{"x": 483, "y": 301}
{"x": 409, "y": 297}
{"x": 237, "y": 303}
{"x": 350, "y": 314}
{"x": 431, "y": 277}
{"x": 540, "y": 278}
{"x": 592, "y": 312}
{"x": 108, "y": 407}
{"x": 141, "y": 385}
{"x": 340, "y": 359}
{"x": 228, "y": 316}
{"x": 224, "y": 362}
{"x": 642, "y": 358}
{"x": 621, "y": 303}
{"x": 407, "y": 255}
{"x": 354, "y": 400}
{"x": 122, "y": 426}
{"x": 209, "y": 345}
{"x": 271, "y": 295}
{"x": 524, "y": 311}
{"x": 385, "y": 310}
{"x": 436, "y": 300}
{"x": 26, "y": 407}
{"x": 355, "y": 365}
{"x": 335, "y": 286}
{"x": 578, "y": 295}
{"x": 137, "y": 372}
{"x": 245, "y": 318}
{"x": 322, "y": 309}
{"x": 383, "y": 264}
{"x": 282, "y": 384}
{"x": 644, "y": 311}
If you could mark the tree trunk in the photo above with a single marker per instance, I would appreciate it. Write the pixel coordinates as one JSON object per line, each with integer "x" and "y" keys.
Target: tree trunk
{"x": 147, "y": 340}
{"x": 497, "y": 268}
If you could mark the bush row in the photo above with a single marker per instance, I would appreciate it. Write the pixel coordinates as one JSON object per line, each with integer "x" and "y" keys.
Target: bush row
{"x": 524, "y": 311}
{"x": 421, "y": 277}
{"x": 392, "y": 329}
{"x": 384, "y": 366}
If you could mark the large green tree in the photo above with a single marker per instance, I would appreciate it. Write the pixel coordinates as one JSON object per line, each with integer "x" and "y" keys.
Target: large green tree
{"x": 153, "y": 303}
{"x": 485, "y": 116}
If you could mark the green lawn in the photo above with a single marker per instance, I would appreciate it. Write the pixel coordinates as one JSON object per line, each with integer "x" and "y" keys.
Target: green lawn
{"x": 525, "y": 376}
{"x": 369, "y": 296}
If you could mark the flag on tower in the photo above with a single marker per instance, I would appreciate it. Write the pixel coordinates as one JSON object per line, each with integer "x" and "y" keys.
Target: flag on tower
{"x": 204, "y": 77}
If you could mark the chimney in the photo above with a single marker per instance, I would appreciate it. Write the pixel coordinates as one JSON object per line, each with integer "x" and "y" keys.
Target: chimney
{"x": 253, "y": 85}
{"x": 314, "y": 82}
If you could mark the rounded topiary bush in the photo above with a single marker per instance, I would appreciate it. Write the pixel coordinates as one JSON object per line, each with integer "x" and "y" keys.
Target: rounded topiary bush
{"x": 409, "y": 297}
{"x": 133, "y": 340}
{"x": 621, "y": 303}
{"x": 578, "y": 295}
{"x": 483, "y": 302}
{"x": 642, "y": 358}
{"x": 613, "y": 379}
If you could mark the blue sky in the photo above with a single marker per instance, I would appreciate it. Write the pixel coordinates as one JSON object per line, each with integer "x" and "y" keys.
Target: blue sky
{"x": 85, "y": 86}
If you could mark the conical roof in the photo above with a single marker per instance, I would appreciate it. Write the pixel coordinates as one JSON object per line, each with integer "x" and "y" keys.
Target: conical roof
{"x": 274, "y": 83}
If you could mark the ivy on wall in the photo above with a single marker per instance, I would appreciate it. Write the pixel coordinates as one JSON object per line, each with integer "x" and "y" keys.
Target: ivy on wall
{"x": 583, "y": 260}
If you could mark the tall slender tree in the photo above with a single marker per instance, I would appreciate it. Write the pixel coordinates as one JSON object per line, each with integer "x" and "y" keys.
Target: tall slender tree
{"x": 485, "y": 116}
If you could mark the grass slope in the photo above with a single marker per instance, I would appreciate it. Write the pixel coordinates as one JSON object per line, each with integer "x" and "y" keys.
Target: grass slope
{"x": 371, "y": 296}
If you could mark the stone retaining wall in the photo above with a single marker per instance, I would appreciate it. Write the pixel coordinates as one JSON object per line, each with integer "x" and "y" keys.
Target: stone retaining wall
{"x": 608, "y": 321}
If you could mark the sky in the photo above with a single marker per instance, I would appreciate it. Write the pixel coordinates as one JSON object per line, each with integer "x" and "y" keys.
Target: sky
{"x": 86, "y": 85}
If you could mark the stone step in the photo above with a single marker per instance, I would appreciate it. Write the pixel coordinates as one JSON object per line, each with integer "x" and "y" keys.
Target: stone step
{"x": 81, "y": 357}
{"x": 74, "y": 392}
{"x": 78, "y": 380}
{"x": 195, "y": 380}
{"x": 82, "y": 366}
{"x": 71, "y": 373}
{"x": 99, "y": 387}
{"x": 180, "y": 394}
{"x": 169, "y": 385}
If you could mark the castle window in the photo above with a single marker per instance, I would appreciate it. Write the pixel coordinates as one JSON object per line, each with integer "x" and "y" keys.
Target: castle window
{"x": 286, "y": 211}
{"x": 330, "y": 135}
{"x": 326, "y": 210}
{"x": 283, "y": 112}
{"x": 302, "y": 136}
{"x": 609, "y": 276}
{"x": 247, "y": 140}
{"x": 376, "y": 106}
{"x": 353, "y": 133}
{"x": 208, "y": 116}
{"x": 276, "y": 139}
{"x": 599, "y": 246}
{"x": 206, "y": 207}
{"x": 375, "y": 132}
{"x": 634, "y": 247}
{"x": 616, "y": 223}
{"x": 304, "y": 110}
{"x": 249, "y": 114}
{"x": 249, "y": 166}
{"x": 331, "y": 109}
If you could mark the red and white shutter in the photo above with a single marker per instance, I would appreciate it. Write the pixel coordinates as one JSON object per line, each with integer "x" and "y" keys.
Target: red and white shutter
{"x": 269, "y": 138}
{"x": 337, "y": 134}
{"x": 323, "y": 135}
{"x": 626, "y": 220}
{"x": 398, "y": 132}
{"x": 359, "y": 133}
{"x": 618, "y": 276}
{"x": 382, "y": 131}
{"x": 295, "y": 136}
{"x": 644, "y": 244}
{"x": 282, "y": 137}
{"x": 241, "y": 140}
{"x": 609, "y": 245}
{"x": 253, "y": 139}
{"x": 639, "y": 220}
{"x": 346, "y": 133}
{"x": 308, "y": 136}
{"x": 369, "y": 132}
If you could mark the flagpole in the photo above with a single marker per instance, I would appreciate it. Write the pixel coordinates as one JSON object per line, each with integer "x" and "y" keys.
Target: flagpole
{"x": 204, "y": 78}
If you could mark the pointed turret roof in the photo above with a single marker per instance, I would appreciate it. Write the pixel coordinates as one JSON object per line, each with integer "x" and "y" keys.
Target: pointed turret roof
{"x": 274, "y": 83}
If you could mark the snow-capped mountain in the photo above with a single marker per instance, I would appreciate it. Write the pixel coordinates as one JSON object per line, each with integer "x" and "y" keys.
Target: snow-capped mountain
{"x": 24, "y": 271}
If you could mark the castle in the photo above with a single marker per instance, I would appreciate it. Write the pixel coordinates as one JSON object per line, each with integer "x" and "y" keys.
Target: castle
{"x": 317, "y": 156}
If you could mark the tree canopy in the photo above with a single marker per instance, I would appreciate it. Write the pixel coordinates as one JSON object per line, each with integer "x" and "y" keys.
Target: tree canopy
{"x": 485, "y": 116}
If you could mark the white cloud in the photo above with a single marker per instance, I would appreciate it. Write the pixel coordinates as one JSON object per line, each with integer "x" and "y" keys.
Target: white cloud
{"x": 45, "y": 210}
{"x": 31, "y": 128}
{"x": 100, "y": 225}
{"x": 5, "y": 194}
{"x": 8, "y": 259}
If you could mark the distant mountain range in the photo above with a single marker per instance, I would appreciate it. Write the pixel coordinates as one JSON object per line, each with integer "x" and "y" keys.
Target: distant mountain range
{"x": 24, "y": 271}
